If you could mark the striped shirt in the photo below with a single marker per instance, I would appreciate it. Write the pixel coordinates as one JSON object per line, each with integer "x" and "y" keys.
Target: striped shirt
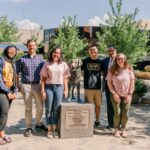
{"x": 30, "y": 68}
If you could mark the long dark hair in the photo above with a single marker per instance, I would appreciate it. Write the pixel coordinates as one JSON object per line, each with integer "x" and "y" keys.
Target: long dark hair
{"x": 7, "y": 48}
{"x": 50, "y": 58}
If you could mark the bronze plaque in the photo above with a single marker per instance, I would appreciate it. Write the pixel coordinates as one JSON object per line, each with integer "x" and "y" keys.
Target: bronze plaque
{"x": 77, "y": 119}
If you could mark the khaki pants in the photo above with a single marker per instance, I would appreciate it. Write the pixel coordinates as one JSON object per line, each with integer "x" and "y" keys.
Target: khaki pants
{"x": 94, "y": 97}
{"x": 29, "y": 92}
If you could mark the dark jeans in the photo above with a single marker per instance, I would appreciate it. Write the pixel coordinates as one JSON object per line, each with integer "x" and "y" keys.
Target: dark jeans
{"x": 4, "y": 109}
{"x": 110, "y": 110}
{"x": 54, "y": 94}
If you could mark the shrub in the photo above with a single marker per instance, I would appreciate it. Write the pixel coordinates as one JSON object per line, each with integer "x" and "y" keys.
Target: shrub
{"x": 141, "y": 87}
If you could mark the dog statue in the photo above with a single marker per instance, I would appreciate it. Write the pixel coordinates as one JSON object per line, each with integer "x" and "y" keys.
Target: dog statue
{"x": 74, "y": 80}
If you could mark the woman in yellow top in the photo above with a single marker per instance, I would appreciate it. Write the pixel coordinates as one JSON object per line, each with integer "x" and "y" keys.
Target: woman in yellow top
{"x": 7, "y": 88}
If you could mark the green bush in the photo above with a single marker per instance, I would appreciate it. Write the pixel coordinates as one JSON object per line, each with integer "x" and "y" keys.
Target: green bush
{"x": 141, "y": 87}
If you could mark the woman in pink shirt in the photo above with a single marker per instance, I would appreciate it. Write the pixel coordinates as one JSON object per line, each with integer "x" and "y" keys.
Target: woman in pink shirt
{"x": 120, "y": 80}
{"x": 54, "y": 85}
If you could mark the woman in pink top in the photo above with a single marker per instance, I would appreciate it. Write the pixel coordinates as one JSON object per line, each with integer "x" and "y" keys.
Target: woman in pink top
{"x": 120, "y": 80}
{"x": 54, "y": 85}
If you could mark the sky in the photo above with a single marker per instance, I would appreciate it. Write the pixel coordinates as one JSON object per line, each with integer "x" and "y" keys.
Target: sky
{"x": 31, "y": 14}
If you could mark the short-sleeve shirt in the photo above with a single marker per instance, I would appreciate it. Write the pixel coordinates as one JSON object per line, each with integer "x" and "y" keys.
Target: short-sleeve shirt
{"x": 55, "y": 73}
{"x": 121, "y": 82}
{"x": 92, "y": 73}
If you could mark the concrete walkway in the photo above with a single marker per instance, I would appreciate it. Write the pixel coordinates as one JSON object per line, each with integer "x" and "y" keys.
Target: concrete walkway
{"x": 138, "y": 133}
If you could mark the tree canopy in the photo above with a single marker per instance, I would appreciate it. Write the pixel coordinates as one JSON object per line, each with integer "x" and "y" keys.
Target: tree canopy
{"x": 122, "y": 31}
{"x": 8, "y": 30}
{"x": 68, "y": 39}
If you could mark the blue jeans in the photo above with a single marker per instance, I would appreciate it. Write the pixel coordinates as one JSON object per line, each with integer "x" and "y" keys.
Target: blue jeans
{"x": 54, "y": 96}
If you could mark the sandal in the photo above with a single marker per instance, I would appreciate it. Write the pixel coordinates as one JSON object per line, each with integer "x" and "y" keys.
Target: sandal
{"x": 123, "y": 134}
{"x": 7, "y": 139}
{"x": 2, "y": 142}
{"x": 117, "y": 134}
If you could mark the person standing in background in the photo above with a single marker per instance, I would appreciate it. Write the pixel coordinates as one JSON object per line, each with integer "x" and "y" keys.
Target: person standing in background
{"x": 107, "y": 63}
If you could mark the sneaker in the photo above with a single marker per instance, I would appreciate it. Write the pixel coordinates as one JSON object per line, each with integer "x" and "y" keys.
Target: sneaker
{"x": 50, "y": 135}
{"x": 56, "y": 135}
{"x": 41, "y": 128}
{"x": 117, "y": 134}
{"x": 97, "y": 124}
{"x": 28, "y": 132}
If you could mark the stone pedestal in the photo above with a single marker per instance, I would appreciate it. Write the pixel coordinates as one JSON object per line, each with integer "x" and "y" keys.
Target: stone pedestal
{"x": 145, "y": 100}
{"x": 76, "y": 120}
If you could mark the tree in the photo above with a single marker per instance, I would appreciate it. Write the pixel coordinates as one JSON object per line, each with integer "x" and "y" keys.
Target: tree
{"x": 123, "y": 32}
{"x": 35, "y": 34}
{"x": 68, "y": 39}
{"x": 8, "y": 30}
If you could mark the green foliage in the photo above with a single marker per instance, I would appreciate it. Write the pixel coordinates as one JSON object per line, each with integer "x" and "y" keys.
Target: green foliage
{"x": 19, "y": 55}
{"x": 140, "y": 87}
{"x": 8, "y": 30}
{"x": 122, "y": 31}
{"x": 68, "y": 39}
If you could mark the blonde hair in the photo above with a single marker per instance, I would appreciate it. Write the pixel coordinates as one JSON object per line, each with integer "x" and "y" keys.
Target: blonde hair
{"x": 115, "y": 69}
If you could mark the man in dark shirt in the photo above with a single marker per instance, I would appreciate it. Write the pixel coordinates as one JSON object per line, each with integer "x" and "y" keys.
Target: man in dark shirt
{"x": 92, "y": 67}
{"x": 107, "y": 63}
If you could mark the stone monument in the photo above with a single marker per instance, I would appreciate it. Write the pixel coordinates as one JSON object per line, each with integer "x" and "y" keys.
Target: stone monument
{"x": 76, "y": 120}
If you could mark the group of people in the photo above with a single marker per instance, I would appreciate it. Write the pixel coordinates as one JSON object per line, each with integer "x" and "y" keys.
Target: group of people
{"x": 118, "y": 84}
{"x": 47, "y": 83}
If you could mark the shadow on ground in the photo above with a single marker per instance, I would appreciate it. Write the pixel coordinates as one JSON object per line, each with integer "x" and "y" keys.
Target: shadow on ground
{"x": 140, "y": 114}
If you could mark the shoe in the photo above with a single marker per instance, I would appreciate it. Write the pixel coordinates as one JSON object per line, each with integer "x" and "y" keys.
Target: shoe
{"x": 56, "y": 135}
{"x": 28, "y": 132}
{"x": 7, "y": 139}
{"x": 123, "y": 134}
{"x": 41, "y": 128}
{"x": 50, "y": 135}
{"x": 73, "y": 97}
{"x": 97, "y": 124}
{"x": 117, "y": 134}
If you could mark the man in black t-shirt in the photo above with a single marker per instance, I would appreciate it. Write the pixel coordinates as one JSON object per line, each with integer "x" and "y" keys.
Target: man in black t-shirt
{"x": 92, "y": 67}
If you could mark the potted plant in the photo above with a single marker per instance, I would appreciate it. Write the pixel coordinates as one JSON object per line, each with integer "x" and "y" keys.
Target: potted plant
{"x": 140, "y": 89}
